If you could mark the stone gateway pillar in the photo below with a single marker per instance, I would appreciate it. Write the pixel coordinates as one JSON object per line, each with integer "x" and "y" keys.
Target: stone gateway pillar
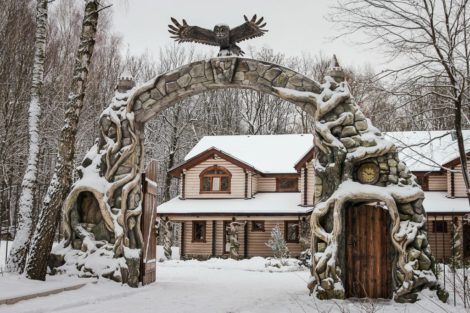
{"x": 355, "y": 164}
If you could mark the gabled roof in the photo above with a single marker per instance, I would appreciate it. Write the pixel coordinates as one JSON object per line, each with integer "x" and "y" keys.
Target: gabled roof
{"x": 307, "y": 157}
{"x": 265, "y": 154}
{"x": 427, "y": 151}
{"x": 205, "y": 155}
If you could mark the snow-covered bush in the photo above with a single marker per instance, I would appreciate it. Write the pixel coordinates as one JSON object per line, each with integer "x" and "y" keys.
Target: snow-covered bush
{"x": 278, "y": 244}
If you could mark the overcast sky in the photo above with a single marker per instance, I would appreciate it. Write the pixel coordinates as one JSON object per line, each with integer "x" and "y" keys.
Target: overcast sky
{"x": 295, "y": 26}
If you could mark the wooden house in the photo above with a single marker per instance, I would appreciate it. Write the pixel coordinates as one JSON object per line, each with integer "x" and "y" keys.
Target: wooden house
{"x": 250, "y": 178}
{"x": 265, "y": 181}
{"x": 433, "y": 158}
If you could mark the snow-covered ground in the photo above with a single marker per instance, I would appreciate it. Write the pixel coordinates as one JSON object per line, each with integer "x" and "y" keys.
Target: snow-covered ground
{"x": 215, "y": 285}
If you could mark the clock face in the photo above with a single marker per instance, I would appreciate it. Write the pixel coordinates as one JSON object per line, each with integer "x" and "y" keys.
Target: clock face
{"x": 368, "y": 173}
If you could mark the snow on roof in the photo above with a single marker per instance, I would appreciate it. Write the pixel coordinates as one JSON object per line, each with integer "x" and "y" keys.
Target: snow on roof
{"x": 438, "y": 202}
{"x": 426, "y": 150}
{"x": 281, "y": 202}
{"x": 266, "y": 153}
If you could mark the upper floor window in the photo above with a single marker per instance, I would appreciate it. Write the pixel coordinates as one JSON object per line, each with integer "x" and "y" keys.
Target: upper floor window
{"x": 215, "y": 179}
{"x": 287, "y": 184}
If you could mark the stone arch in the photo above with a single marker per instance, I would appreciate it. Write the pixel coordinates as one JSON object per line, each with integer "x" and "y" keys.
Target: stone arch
{"x": 166, "y": 89}
{"x": 344, "y": 138}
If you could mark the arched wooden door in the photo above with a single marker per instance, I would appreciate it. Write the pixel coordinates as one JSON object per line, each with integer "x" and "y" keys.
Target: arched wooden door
{"x": 149, "y": 213}
{"x": 368, "y": 253}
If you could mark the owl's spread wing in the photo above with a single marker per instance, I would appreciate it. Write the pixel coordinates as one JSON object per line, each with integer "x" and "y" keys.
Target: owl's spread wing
{"x": 250, "y": 29}
{"x": 186, "y": 33}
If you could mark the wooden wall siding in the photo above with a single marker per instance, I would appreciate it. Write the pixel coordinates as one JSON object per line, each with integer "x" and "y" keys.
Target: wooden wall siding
{"x": 437, "y": 182}
{"x": 256, "y": 240}
{"x": 237, "y": 184}
{"x": 197, "y": 249}
{"x": 310, "y": 184}
{"x": 459, "y": 184}
{"x": 254, "y": 181}
{"x": 441, "y": 243}
{"x": 250, "y": 185}
{"x": 267, "y": 184}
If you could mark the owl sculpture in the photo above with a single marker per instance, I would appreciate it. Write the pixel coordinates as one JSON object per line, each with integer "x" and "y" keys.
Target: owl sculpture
{"x": 221, "y": 36}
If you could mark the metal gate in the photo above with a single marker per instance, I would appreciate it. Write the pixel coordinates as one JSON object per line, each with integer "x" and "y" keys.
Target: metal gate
{"x": 149, "y": 213}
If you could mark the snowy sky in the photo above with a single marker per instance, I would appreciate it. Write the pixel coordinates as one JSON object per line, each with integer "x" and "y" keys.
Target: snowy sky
{"x": 295, "y": 26}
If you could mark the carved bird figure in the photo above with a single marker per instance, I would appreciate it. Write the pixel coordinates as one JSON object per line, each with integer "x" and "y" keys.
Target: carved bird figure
{"x": 221, "y": 36}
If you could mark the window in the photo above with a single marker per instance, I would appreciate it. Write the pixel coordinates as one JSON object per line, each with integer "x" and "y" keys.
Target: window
{"x": 199, "y": 231}
{"x": 291, "y": 231}
{"x": 215, "y": 179}
{"x": 257, "y": 226}
{"x": 287, "y": 184}
{"x": 439, "y": 226}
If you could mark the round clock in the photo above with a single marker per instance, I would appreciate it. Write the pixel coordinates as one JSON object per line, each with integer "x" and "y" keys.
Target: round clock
{"x": 368, "y": 173}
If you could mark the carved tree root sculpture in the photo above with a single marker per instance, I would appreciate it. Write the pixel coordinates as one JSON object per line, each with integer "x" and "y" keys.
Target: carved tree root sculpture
{"x": 343, "y": 139}
{"x": 111, "y": 172}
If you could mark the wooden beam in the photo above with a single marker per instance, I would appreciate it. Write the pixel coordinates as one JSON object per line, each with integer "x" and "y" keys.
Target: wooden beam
{"x": 246, "y": 184}
{"x": 213, "y": 238}
{"x": 245, "y": 247}
{"x": 452, "y": 183}
{"x": 305, "y": 184}
{"x": 183, "y": 185}
{"x": 182, "y": 241}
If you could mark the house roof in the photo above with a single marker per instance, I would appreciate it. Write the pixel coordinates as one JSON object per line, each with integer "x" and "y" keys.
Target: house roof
{"x": 426, "y": 151}
{"x": 438, "y": 202}
{"x": 262, "y": 203}
{"x": 267, "y": 154}
{"x": 422, "y": 151}
{"x": 209, "y": 153}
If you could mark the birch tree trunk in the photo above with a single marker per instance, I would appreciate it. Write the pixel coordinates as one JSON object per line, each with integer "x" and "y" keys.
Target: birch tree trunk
{"x": 41, "y": 244}
{"x": 19, "y": 249}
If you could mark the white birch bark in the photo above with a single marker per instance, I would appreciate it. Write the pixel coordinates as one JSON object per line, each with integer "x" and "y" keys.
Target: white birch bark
{"x": 18, "y": 252}
{"x": 41, "y": 243}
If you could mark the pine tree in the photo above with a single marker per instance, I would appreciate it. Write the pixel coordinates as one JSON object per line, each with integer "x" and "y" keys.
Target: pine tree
{"x": 278, "y": 244}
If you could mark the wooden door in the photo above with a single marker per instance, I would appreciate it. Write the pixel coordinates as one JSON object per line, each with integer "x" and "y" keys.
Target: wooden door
{"x": 149, "y": 210}
{"x": 368, "y": 252}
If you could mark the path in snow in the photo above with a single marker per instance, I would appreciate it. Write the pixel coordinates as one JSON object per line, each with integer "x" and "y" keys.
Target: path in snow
{"x": 214, "y": 286}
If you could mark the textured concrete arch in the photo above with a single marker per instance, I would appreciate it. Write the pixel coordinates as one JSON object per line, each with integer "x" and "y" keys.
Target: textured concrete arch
{"x": 216, "y": 73}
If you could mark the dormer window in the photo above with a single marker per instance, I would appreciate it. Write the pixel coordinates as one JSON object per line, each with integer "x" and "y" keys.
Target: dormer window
{"x": 215, "y": 179}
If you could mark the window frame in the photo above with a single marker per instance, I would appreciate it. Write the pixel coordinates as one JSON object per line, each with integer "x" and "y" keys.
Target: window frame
{"x": 286, "y": 227}
{"x": 257, "y": 230}
{"x": 443, "y": 224}
{"x": 204, "y": 174}
{"x": 194, "y": 239}
{"x": 278, "y": 184}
